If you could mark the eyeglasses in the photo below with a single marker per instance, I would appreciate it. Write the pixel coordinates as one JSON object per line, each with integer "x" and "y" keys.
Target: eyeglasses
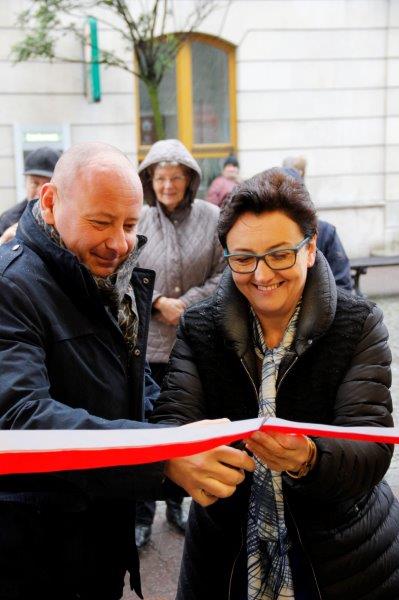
{"x": 277, "y": 260}
{"x": 173, "y": 180}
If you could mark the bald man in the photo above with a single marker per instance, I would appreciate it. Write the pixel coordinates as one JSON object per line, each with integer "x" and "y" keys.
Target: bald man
{"x": 74, "y": 315}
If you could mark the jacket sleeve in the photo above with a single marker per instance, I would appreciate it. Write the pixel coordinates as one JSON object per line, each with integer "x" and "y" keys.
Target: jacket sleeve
{"x": 348, "y": 469}
{"x": 200, "y": 292}
{"x": 214, "y": 192}
{"x": 182, "y": 398}
{"x": 26, "y": 401}
{"x": 151, "y": 390}
{"x": 337, "y": 259}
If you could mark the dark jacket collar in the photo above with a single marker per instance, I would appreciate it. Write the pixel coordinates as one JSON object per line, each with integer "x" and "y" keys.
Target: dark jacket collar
{"x": 319, "y": 301}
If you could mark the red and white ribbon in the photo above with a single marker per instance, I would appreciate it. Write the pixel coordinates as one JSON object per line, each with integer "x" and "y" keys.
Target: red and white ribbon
{"x": 39, "y": 451}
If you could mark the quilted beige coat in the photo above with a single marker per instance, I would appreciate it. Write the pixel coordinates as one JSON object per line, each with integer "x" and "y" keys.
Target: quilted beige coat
{"x": 182, "y": 247}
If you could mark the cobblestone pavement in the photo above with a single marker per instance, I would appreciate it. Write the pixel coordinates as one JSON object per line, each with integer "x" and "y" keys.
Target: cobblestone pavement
{"x": 161, "y": 559}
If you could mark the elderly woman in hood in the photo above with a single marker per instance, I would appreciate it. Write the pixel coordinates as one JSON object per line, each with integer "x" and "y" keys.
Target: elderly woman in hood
{"x": 184, "y": 250}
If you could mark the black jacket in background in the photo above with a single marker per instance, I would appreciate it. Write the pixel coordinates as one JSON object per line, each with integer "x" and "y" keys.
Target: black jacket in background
{"x": 331, "y": 246}
{"x": 342, "y": 517}
{"x": 12, "y": 215}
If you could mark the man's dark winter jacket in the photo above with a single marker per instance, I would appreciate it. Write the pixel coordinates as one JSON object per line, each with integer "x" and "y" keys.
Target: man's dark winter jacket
{"x": 331, "y": 246}
{"x": 342, "y": 517}
{"x": 64, "y": 365}
{"x": 12, "y": 215}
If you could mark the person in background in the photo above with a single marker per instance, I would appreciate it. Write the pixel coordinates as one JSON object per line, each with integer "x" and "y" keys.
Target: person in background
{"x": 221, "y": 187}
{"x": 184, "y": 251}
{"x": 39, "y": 168}
{"x": 328, "y": 240}
{"x": 279, "y": 338}
{"x": 296, "y": 162}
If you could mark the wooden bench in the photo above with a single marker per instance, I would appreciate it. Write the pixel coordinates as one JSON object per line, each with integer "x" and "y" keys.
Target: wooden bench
{"x": 359, "y": 267}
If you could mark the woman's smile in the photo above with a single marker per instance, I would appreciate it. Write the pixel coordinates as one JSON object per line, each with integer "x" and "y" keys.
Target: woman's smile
{"x": 268, "y": 288}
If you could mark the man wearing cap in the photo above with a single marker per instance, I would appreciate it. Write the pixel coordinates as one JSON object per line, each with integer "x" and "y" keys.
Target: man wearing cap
{"x": 39, "y": 168}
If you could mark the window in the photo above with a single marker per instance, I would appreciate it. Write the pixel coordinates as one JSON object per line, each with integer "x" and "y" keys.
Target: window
{"x": 197, "y": 98}
{"x": 31, "y": 137}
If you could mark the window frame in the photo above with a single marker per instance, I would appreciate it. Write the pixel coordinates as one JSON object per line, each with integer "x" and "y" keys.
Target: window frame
{"x": 184, "y": 101}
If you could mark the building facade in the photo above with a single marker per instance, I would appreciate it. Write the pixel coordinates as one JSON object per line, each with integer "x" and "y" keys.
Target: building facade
{"x": 264, "y": 79}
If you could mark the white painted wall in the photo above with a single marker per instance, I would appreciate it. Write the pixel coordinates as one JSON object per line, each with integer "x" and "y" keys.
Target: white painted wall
{"x": 315, "y": 77}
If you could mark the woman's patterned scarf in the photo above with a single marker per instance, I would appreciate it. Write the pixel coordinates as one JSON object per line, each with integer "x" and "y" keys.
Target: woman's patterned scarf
{"x": 269, "y": 572}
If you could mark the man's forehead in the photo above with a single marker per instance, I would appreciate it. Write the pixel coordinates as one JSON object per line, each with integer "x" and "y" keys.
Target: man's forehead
{"x": 109, "y": 181}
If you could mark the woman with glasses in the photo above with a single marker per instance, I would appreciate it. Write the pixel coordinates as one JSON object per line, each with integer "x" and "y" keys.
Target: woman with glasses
{"x": 316, "y": 520}
{"x": 184, "y": 250}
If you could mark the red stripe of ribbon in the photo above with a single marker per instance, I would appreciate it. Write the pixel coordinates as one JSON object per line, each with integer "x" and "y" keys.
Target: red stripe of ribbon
{"x": 13, "y": 462}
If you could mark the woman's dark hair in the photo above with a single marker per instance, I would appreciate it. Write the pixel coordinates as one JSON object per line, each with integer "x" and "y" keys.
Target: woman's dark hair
{"x": 269, "y": 191}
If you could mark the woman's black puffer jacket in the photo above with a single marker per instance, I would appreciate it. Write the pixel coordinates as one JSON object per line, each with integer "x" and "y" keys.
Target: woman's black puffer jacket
{"x": 343, "y": 516}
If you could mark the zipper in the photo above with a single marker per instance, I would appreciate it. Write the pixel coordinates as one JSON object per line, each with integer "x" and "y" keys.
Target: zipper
{"x": 304, "y": 550}
{"x": 250, "y": 378}
{"x": 286, "y": 373}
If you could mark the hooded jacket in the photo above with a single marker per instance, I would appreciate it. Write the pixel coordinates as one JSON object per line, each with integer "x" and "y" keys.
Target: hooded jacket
{"x": 342, "y": 517}
{"x": 183, "y": 248}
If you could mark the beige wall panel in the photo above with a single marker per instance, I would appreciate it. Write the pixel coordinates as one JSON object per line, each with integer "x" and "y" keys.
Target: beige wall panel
{"x": 258, "y": 106}
{"x": 6, "y": 141}
{"x": 121, "y": 136}
{"x": 230, "y": 19}
{"x": 393, "y": 42}
{"x": 361, "y": 230}
{"x": 116, "y": 81}
{"x": 339, "y": 161}
{"x": 306, "y": 134}
{"x": 394, "y": 13}
{"x": 68, "y": 46}
{"x": 31, "y": 109}
{"x": 7, "y": 38}
{"x": 112, "y": 40}
{"x": 9, "y": 9}
{"x": 60, "y": 78}
{"x": 295, "y": 14}
{"x": 294, "y": 45}
{"x": 393, "y": 102}
{"x": 269, "y": 75}
{"x": 392, "y": 159}
{"x": 392, "y": 126}
{"x": 392, "y": 187}
{"x": 7, "y": 197}
{"x": 41, "y": 78}
{"x": 392, "y": 214}
{"x": 349, "y": 161}
{"x": 393, "y": 72}
{"x": 7, "y": 174}
{"x": 343, "y": 190}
